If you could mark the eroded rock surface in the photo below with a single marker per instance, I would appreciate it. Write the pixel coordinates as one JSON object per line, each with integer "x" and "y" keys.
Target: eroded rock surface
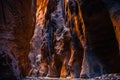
{"x": 16, "y": 30}
{"x": 72, "y": 38}
{"x": 80, "y": 36}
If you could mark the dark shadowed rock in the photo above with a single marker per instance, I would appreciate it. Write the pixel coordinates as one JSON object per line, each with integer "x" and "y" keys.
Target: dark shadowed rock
{"x": 16, "y": 30}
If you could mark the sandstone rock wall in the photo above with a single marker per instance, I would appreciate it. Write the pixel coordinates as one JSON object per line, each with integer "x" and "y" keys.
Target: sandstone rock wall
{"x": 79, "y": 35}
{"x": 114, "y": 11}
{"x": 67, "y": 38}
{"x": 16, "y": 30}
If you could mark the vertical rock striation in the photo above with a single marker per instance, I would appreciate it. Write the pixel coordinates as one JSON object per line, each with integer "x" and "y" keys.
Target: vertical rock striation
{"x": 76, "y": 38}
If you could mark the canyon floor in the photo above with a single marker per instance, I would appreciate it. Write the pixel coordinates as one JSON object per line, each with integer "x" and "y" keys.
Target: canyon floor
{"x": 103, "y": 77}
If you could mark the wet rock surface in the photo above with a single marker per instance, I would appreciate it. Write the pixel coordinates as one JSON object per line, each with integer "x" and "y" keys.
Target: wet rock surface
{"x": 102, "y": 77}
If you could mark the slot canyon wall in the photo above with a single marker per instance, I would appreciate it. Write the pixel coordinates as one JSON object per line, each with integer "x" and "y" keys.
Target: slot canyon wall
{"x": 17, "y": 20}
{"x": 76, "y": 38}
{"x": 67, "y": 38}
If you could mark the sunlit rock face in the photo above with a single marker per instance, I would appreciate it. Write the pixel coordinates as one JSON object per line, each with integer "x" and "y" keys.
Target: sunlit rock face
{"x": 75, "y": 38}
{"x": 16, "y": 30}
{"x": 59, "y": 44}
{"x": 40, "y": 44}
{"x": 37, "y": 39}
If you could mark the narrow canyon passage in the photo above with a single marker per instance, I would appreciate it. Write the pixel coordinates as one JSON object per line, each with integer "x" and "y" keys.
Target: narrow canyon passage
{"x": 59, "y": 39}
{"x": 78, "y": 39}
